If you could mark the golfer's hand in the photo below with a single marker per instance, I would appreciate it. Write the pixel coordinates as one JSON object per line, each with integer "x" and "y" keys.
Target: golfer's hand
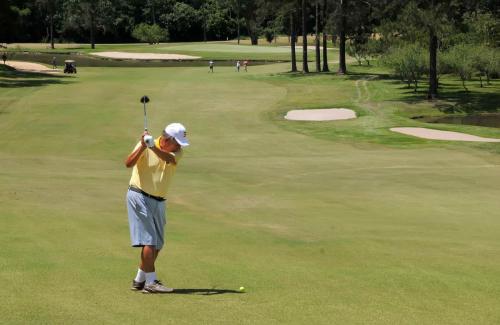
{"x": 143, "y": 143}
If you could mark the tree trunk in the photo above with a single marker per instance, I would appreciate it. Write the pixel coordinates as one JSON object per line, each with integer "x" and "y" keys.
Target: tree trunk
{"x": 92, "y": 38}
{"x": 293, "y": 38}
{"x": 325, "y": 53}
{"x": 52, "y": 31}
{"x": 254, "y": 39}
{"x": 481, "y": 80}
{"x": 325, "y": 38}
{"x": 204, "y": 29}
{"x": 342, "y": 65}
{"x": 238, "y": 20}
{"x": 433, "y": 43}
{"x": 305, "y": 67}
{"x": 318, "y": 52}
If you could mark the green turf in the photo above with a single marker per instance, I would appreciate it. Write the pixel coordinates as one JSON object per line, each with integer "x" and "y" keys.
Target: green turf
{"x": 323, "y": 223}
{"x": 204, "y": 50}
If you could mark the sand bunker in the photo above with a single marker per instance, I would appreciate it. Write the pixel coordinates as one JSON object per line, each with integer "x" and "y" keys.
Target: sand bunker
{"x": 30, "y": 67}
{"x": 144, "y": 56}
{"x": 328, "y": 114}
{"x": 442, "y": 135}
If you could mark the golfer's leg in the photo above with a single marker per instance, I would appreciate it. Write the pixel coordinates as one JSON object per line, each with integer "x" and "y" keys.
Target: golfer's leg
{"x": 148, "y": 257}
{"x": 157, "y": 252}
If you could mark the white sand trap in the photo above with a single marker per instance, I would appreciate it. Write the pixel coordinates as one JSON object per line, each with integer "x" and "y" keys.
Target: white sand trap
{"x": 144, "y": 56}
{"x": 442, "y": 135}
{"x": 327, "y": 114}
{"x": 30, "y": 67}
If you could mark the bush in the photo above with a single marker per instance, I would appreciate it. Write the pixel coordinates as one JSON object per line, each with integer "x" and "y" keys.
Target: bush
{"x": 149, "y": 33}
{"x": 409, "y": 63}
{"x": 461, "y": 59}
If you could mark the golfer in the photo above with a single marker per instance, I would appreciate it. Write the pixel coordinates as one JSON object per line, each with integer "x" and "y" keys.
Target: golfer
{"x": 154, "y": 163}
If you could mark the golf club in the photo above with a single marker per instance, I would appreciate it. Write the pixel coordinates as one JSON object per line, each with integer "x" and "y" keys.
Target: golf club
{"x": 144, "y": 100}
{"x": 147, "y": 138}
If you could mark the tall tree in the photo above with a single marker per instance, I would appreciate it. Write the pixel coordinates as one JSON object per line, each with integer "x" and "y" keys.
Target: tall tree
{"x": 430, "y": 23}
{"x": 253, "y": 20}
{"x": 316, "y": 39}
{"x": 293, "y": 41}
{"x": 305, "y": 67}
{"x": 49, "y": 9}
{"x": 89, "y": 15}
{"x": 325, "y": 37}
{"x": 342, "y": 38}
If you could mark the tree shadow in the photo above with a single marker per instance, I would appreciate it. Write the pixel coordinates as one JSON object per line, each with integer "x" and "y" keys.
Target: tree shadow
{"x": 11, "y": 78}
{"x": 204, "y": 292}
{"x": 454, "y": 99}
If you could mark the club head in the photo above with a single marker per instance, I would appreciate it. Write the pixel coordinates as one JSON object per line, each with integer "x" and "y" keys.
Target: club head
{"x": 144, "y": 99}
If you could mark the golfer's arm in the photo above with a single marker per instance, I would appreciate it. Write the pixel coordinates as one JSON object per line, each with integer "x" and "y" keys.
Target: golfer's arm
{"x": 134, "y": 157}
{"x": 163, "y": 155}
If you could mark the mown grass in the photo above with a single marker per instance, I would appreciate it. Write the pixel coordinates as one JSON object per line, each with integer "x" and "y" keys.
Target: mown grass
{"x": 335, "y": 222}
{"x": 204, "y": 50}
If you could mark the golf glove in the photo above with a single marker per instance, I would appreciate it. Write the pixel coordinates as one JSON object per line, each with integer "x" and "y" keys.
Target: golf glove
{"x": 150, "y": 142}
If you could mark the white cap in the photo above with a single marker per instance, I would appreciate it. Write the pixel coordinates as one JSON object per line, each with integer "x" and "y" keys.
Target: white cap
{"x": 178, "y": 132}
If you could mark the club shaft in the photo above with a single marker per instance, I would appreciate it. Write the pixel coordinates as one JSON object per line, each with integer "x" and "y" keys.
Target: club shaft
{"x": 145, "y": 119}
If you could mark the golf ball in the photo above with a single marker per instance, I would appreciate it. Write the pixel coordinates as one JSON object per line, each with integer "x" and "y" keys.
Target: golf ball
{"x": 242, "y": 289}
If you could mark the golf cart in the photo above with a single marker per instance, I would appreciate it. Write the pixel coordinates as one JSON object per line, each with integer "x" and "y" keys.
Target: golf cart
{"x": 69, "y": 66}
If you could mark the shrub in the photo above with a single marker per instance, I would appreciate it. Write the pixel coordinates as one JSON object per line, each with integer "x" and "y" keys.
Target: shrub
{"x": 409, "y": 63}
{"x": 149, "y": 33}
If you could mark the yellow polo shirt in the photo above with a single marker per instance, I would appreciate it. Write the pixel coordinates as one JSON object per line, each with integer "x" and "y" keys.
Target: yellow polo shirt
{"x": 152, "y": 174}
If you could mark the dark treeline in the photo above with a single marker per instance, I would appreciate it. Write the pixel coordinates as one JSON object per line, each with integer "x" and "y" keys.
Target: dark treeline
{"x": 415, "y": 37}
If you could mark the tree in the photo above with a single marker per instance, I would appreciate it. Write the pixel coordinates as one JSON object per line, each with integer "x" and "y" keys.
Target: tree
{"x": 342, "y": 38}
{"x": 324, "y": 11}
{"x": 316, "y": 39}
{"x": 293, "y": 39}
{"x": 151, "y": 34}
{"x": 485, "y": 61}
{"x": 409, "y": 63}
{"x": 461, "y": 59}
{"x": 12, "y": 16}
{"x": 253, "y": 18}
{"x": 305, "y": 67}
{"x": 89, "y": 15}
{"x": 430, "y": 22}
{"x": 49, "y": 10}
{"x": 183, "y": 22}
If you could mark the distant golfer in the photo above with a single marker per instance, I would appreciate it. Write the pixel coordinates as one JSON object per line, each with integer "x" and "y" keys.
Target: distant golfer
{"x": 154, "y": 164}
{"x": 4, "y": 57}
{"x": 238, "y": 64}
{"x": 54, "y": 63}
{"x": 211, "y": 66}
{"x": 245, "y": 65}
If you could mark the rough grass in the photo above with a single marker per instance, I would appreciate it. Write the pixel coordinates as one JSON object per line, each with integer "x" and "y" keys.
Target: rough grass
{"x": 323, "y": 223}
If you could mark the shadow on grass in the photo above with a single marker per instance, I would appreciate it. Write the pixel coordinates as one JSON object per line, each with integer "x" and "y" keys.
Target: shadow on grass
{"x": 348, "y": 76}
{"x": 454, "y": 99}
{"x": 204, "y": 292}
{"x": 11, "y": 78}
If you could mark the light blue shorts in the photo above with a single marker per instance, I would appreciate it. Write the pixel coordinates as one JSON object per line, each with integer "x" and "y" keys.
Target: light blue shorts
{"x": 147, "y": 219}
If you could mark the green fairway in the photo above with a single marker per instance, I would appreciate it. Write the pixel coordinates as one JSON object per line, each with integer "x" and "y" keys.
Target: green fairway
{"x": 323, "y": 223}
{"x": 205, "y": 50}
